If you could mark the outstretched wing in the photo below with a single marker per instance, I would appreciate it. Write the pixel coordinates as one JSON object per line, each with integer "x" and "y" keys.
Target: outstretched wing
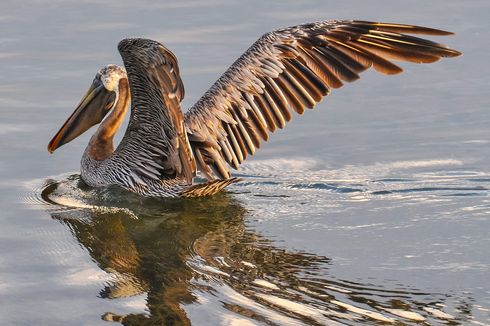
{"x": 155, "y": 144}
{"x": 289, "y": 70}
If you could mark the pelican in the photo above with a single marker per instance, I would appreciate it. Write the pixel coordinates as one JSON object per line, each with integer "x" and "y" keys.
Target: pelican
{"x": 284, "y": 71}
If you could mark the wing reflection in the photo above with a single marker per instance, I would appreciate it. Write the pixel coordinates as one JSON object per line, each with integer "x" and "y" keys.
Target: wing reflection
{"x": 193, "y": 257}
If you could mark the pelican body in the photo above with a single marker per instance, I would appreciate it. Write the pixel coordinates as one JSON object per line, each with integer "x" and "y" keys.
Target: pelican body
{"x": 285, "y": 71}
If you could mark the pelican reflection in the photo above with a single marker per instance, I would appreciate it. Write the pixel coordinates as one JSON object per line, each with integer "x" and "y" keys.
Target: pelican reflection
{"x": 193, "y": 254}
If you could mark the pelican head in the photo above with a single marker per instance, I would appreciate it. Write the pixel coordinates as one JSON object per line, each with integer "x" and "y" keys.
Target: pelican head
{"x": 100, "y": 98}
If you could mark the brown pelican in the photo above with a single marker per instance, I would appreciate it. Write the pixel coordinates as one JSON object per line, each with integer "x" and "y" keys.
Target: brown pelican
{"x": 283, "y": 71}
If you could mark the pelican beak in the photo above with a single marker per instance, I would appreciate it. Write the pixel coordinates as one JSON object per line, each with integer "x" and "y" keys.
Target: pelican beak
{"x": 92, "y": 109}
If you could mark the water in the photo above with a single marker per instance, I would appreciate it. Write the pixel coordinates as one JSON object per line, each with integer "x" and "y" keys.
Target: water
{"x": 373, "y": 208}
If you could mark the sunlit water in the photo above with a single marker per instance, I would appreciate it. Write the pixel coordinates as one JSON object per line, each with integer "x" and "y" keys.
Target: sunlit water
{"x": 374, "y": 208}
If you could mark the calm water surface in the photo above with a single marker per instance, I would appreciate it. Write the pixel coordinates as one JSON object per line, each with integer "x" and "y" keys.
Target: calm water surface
{"x": 372, "y": 209}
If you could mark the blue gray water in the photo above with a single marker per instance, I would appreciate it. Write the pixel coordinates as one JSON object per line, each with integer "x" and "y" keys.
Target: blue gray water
{"x": 373, "y": 208}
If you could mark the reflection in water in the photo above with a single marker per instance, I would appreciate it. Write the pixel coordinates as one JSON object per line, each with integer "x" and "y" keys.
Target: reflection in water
{"x": 191, "y": 253}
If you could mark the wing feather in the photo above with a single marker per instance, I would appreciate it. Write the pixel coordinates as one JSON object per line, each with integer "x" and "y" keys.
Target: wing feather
{"x": 289, "y": 70}
{"x": 155, "y": 145}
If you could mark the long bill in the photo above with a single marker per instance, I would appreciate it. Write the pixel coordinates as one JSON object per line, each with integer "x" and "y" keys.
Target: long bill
{"x": 93, "y": 107}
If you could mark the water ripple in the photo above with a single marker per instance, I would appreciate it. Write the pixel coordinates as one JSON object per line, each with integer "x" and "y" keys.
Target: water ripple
{"x": 209, "y": 259}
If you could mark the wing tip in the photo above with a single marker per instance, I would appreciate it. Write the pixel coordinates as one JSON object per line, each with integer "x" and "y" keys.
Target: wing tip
{"x": 406, "y": 28}
{"x": 453, "y": 53}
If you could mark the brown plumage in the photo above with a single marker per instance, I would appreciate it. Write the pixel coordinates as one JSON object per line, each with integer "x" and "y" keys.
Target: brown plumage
{"x": 283, "y": 72}
{"x": 289, "y": 70}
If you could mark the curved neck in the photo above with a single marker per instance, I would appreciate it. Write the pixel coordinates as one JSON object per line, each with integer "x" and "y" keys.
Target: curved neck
{"x": 101, "y": 145}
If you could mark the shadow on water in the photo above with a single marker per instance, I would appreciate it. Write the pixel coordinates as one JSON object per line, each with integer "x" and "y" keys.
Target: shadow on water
{"x": 186, "y": 254}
